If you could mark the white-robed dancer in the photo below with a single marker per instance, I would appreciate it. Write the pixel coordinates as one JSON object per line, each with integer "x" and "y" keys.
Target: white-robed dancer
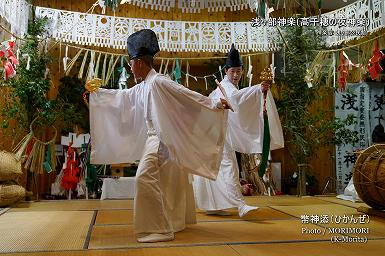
{"x": 169, "y": 128}
{"x": 244, "y": 134}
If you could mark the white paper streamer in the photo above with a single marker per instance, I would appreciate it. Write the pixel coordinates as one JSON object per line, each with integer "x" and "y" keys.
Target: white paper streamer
{"x": 220, "y": 72}
{"x": 18, "y": 52}
{"x": 65, "y": 60}
{"x": 26, "y": 55}
{"x": 272, "y": 67}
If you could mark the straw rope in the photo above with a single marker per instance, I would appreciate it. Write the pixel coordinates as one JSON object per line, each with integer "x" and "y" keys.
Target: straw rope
{"x": 36, "y": 157}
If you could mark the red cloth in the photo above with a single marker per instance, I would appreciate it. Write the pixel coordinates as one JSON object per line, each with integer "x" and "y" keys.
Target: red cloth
{"x": 374, "y": 67}
{"x": 71, "y": 172}
{"x": 9, "y": 61}
{"x": 343, "y": 69}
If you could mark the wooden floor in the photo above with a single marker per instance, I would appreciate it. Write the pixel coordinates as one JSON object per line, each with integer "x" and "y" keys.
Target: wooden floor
{"x": 285, "y": 225}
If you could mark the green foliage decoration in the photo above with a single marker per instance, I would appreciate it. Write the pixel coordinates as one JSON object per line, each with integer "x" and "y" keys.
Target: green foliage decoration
{"x": 27, "y": 95}
{"x": 71, "y": 109}
{"x": 307, "y": 129}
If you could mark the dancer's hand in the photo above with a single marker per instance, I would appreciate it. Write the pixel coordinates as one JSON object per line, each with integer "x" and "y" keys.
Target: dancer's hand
{"x": 225, "y": 104}
{"x": 265, "y": 86}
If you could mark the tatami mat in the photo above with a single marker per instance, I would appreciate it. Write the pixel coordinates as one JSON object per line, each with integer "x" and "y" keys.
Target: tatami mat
{"x": 371, "y": 248}
{"x": 66, "y": 228}
{"x": 282, "y": 200}
{"x": 73, "y": 205}
{"x": 317, "y": 209}
{"x": 263, "y": 213}
{"x": 342, "y": 202}
{"x": 222, "y": 250}
{"x": 207, "y": 233}
{"x": 34, "y": 231}
{"x": 114, "y": 217}
{"x": 94, "y": 204}
{"x": 3, "y": 210}
{"x": 119, "y": 217}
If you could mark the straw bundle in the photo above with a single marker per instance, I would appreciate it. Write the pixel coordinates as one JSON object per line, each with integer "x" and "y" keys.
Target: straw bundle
{"x": 10, "y": 167}
{"x": 250, "y": 164}
{"x": 10, "y": 194}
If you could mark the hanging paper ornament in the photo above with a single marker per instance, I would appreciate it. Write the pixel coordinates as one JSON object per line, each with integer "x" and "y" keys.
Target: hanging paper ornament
{"x": 123, "y": 79}
{"x": 220, "y": 72}
{"x": 123, "y": 75}
{"x": 256, "y": 6}
{"x": 173, "y": 70}
{"x": 177, "y": 72}
{"x": 110, "y": 3}
{"x": 28, "y": 66}
{"x": 8, "y": 59}
{"x": 308, "y": 78}
{"x": 65, "y": 60}
{"x": 102, "y": 4}
{"x": 374, "y": 66}
{"x": 319, "y": 4}
{"x": 272, "y": 67}
{"x": 342, "y": 68}
{"x": 249, "y": 71}
{"x": 262, "y": 9}
{"x": 47, "y": 161}
{"x": 9, "y": 70}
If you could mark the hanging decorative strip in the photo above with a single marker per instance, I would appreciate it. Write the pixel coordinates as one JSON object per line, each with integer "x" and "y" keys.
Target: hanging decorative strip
{"x": 350, "y": 22}
{"x": 16, "y": 13}
{"x": 169, "y": 67}
{"x": 109, "y": 31}
{"x": 194, "y": 6}
{"x": 162, "y": 5}
{"x": 215, "y": 5}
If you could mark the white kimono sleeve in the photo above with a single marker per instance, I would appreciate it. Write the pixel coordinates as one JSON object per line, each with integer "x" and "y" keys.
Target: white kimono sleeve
{"x": 190, "y": 126}
{"x": 245, "y": 124}
{"x": 118, "y": 130}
